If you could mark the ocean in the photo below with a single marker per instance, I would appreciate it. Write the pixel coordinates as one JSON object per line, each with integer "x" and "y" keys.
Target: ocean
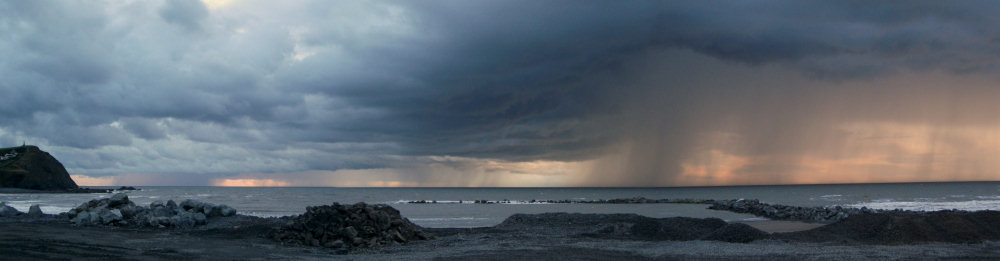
{"x": 282, "y": 201}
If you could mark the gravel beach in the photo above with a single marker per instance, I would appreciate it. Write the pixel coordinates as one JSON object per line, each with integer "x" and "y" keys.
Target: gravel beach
{"x": 524, "y": 237}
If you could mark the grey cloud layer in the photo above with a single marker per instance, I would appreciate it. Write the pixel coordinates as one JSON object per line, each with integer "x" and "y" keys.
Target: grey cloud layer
{"x": 319, "y": 85}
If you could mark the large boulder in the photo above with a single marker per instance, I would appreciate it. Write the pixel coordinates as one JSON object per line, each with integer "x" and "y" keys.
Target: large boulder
{"x": 349, "y": 226}
{"x": 81, "y": 218}
{"x": 33, "y": 168}
{"x": 35, "y": 211}
{"x": 8, "y": 211}
{"x": 118, "y": 200}
{"x": 109, "y": 216}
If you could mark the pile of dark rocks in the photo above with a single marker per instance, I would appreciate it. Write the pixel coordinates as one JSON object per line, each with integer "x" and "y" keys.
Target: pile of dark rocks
{"x": 346, "y": 227}
{"x": 118, "y": 210}
{"x": 783, "y": 212}
{"x": 642, "y": 200}
{"x": 635, "y": 200}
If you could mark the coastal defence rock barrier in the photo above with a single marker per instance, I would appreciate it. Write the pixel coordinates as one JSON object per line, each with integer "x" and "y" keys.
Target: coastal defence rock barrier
{"x": 783, "y": 212}
{"x": 118, "y": 210}
{"x": 635, "y": 200}
{"x": 747, "y": 206}
{"x": 345, "y": 227}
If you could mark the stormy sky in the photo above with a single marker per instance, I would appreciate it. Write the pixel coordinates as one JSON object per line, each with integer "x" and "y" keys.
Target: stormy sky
{"x": 504, "y": 93}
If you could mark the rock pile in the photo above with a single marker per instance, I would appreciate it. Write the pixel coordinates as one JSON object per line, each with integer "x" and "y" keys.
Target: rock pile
{"x": 8, "y": 211}
{"x": 348, "y": 226}
{"x": 118, "y": 210}
{"x": 635, "y": 200}
{"x": 782, "y": 212}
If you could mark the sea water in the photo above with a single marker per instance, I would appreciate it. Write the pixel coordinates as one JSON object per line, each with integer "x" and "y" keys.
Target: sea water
{"x": 455, "y": 207}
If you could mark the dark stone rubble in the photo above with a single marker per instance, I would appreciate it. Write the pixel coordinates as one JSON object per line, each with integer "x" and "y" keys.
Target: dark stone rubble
{"x": 346, "y": 227}
{"x": 783, "y": 212}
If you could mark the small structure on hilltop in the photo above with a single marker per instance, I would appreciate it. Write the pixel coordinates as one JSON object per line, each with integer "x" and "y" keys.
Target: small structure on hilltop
{"x": 8, "y": 155}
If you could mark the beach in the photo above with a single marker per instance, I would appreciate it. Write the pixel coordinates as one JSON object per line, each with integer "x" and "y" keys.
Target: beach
{"x": 166, "y": 224}
{"x": 533, "y": 237}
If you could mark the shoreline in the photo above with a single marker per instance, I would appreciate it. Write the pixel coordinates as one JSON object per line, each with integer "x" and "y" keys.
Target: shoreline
{"x": 378, "y": 232}
{"x": 239, "y": 238}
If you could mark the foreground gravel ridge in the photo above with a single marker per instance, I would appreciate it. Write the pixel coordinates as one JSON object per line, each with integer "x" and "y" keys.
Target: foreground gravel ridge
{"x": 548, "y": 236}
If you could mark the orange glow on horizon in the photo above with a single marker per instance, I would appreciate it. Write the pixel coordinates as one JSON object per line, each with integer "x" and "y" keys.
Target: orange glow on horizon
{"x": 84, "y": 180}
{"x": 872, "y": 153}
{"x": 250, "y": 183}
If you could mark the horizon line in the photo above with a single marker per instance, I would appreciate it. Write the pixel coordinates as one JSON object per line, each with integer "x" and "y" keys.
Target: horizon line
{"x": 605, "y": 187}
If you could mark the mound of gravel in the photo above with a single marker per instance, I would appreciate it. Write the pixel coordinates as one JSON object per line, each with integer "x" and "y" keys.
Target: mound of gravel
{"x": 556, "y": 220}
{"x": 900, "y": 227}
{"x": 349, "y": 226}
{"x": 634, "y": 227}
{"x": 118, "y": 210}
{"x": 677, "y": 228}
{"x": 737, "y": 233}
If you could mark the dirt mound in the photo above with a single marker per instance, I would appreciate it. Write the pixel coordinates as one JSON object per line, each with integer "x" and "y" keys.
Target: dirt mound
{"x": 736, "y": 233}
{"x": 900, "y": 227}
{"x": 349, "y": 226}
{"x": 677, "y": 228}
{"x": 517, "y": 221}
{"x": 634, "y": 227}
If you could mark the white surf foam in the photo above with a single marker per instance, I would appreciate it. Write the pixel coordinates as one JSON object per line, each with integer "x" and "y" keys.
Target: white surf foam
{"x": 970, "y": 205}
{"x": 24, "y": 206}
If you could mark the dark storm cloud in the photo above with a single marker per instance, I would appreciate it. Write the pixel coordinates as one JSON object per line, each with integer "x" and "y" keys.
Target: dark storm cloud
{"x": 59, "y": 41}
{"x": 323, "y": 85}
{"x": 501, "y": 79}
{"x": 144, "y": 128}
